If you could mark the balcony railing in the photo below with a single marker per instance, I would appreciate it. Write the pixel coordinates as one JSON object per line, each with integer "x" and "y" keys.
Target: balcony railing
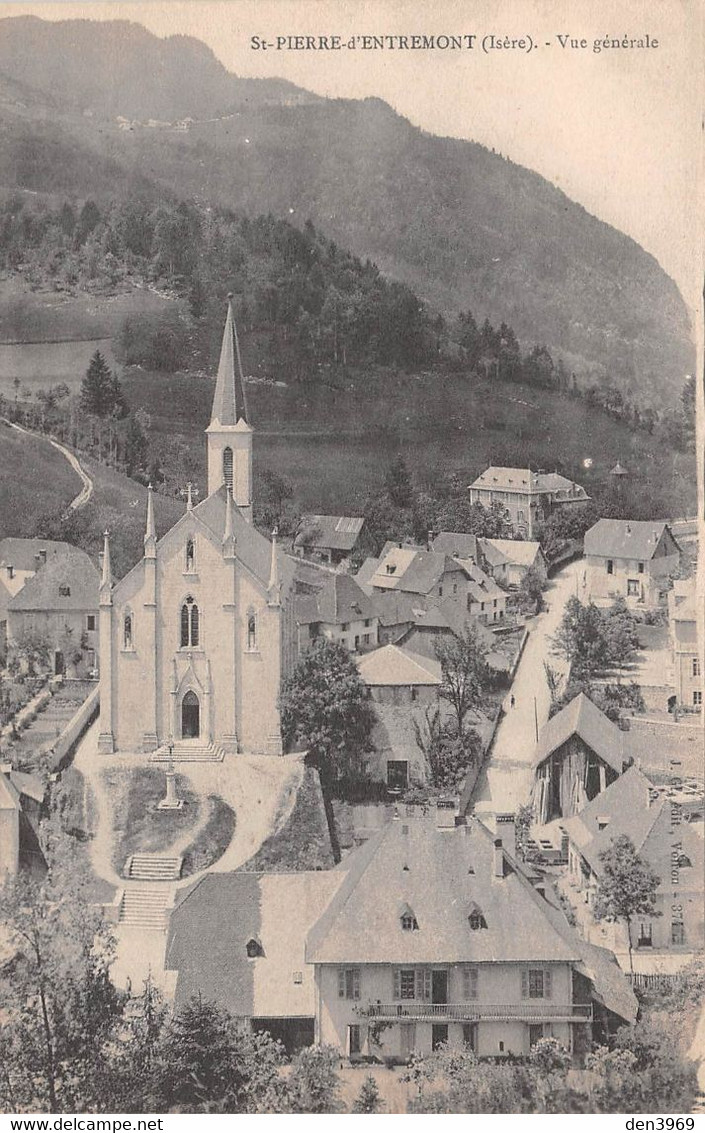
{"x": 533, "y": 1011}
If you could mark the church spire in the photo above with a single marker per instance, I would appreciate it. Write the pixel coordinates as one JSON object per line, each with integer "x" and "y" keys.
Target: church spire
{"x": 229, "y": 404}
{"x": 106, "y": 581}
{"x": 150, "y": 535}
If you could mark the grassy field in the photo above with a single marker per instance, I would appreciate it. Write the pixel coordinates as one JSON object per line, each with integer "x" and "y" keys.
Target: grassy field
{"x": 39, "y": 365}
{"x": 28, "y": 316}
{"x": 334, "y": 445}
{"x": 34, "y": 478}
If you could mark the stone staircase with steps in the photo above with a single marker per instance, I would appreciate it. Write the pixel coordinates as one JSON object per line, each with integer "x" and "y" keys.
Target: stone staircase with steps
{"x": 152, "y": 867}
{"x": 188, "y": 751}
{"x": 144, "y": 906}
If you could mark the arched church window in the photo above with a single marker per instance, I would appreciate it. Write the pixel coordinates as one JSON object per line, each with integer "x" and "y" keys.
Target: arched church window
{"x": 251, "y": 632}
{"x": 228, "y": 467}
{"x": 127, "y": 631}
{"x": 190, "y": 624}
{"x": 190, "y": 556}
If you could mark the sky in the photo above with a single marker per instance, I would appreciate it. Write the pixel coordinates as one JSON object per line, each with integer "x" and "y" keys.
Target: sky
{"x": 619, "y": 131}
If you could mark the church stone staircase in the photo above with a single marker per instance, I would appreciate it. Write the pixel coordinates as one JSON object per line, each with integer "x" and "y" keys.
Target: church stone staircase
{"x": 188, "y": 751}
{"x": 144, "y": 906}
{"x": 152, "y": 867}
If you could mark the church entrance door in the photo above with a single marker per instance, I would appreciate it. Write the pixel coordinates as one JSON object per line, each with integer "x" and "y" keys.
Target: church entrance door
{"x": 190, "y": 717}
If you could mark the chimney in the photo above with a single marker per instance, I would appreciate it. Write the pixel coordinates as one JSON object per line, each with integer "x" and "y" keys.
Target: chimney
{"x": 429, "y": 540}
{"x": 498, "y": 858}
{"x": 506, "y": 828}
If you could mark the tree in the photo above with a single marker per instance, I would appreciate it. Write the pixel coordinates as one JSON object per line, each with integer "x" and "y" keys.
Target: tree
{"x": 400, "y": 489}
{"x": 581, "y": 638}
{"x": 465, "y": 673}
{"x": 626, "y": 887}
{"x": 30, "y": 651}
{"x": 60, "y": 1009}
{"x": 207, "y": 1062}
{"x": 325, "y": 709}
{"x": 368, "y": 1100}
{"x": 100, "y": 389}
{"x": 314, "y": 1085}
{"x": 447, "y": 755}
{"x": 531, "y": 590}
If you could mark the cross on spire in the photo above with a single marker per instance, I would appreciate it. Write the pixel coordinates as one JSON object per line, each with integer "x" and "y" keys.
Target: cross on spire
{"x": 189, "y": 492}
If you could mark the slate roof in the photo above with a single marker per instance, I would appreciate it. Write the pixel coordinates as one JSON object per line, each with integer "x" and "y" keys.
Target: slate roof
{"x": 633, "y": 807}
{"x": 481, "y": 587}
{"x": 491, "y": 553}
{"x": 392, "y": 666}
{"x": 332, "y": 532}
{"x": 411, "y": 569}
{"x": 211, "y": 926}
{"x": 583, "y": 718}
{"x": 229, "y": 403}
{"x": 339, "y": 600}
{"x": 523, "y": 552}
{"x": 362, "y": 922}
{"x": 459, "y": 544}
{"x": 396, "y": 607}
{"x": 501, "y": 479}
{"x": 22, "y": 553}
{"x": 626, "y": 539}
{"x": 70, "y": 568}
{"x": 251, "y": 547}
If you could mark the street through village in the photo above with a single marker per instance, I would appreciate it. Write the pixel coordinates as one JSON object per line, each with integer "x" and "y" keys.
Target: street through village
{"x": 505, "y": 782}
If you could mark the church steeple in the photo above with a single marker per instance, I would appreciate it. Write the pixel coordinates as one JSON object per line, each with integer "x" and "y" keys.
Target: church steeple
{"x": 229, "y": 433}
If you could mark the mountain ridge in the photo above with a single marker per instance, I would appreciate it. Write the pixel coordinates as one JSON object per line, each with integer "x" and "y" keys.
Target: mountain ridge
{"x": 465, "y": 227}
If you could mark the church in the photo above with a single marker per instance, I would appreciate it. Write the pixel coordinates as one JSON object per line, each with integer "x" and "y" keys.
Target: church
{"x": 195, "y": 639}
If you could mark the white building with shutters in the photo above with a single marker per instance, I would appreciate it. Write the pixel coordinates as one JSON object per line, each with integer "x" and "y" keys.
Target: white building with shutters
{"x": 436, "y": 935}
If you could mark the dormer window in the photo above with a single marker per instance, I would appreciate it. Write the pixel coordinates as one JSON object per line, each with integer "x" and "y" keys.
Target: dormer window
{"x": 254, "y": 948}
{"x": 64, "y": 591}
{"x": 684, "y": 862}
{"x": 476, "y": 918}
{"x": 408, "y": 919}
{"x": 190, "y": 556}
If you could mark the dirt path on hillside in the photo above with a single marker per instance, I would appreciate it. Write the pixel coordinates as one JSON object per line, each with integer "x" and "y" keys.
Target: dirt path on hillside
{"x": 86, "y": 492}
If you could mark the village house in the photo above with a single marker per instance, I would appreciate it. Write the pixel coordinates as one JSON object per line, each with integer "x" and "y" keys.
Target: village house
{"x": 672, "y": 846}
{"x": 687, "y": 650}
{"x": 579, "y": 753}
{"x": 629, "y": 559}
{"x": 339, "y": 611}
{"x": 49, "y": 592}
{"x": 396, "y": 757}
{"x": 409, "y": 943}
{"x": 330, "y": 538}
{"x": 397, "y": 676}
{"x": 521, "y": 556}
{"x": 21, "y": 801}
{"x": 196, "y": 638}
{"x": 527, "y": 498}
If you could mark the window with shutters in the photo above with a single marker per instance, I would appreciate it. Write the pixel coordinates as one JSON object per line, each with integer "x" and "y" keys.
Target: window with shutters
{"x": 348, "y": 983}
{"x": 696, "y": 666}
{"x": 536, "y": 983}
{"x": 470, "y": 983}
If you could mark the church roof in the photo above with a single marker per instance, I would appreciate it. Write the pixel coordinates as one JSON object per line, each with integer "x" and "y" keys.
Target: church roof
{"x": 229, "y": 404}
{"x": 251, "y": 547}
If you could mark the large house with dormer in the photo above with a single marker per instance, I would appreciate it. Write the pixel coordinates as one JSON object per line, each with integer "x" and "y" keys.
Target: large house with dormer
{"x": 526, "y": 498}
{"x": 196, "y": 638}
{"x": 410, "y": 943}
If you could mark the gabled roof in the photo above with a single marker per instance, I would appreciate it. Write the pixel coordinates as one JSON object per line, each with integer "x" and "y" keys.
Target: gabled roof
{"x": 27, "y": 785}
{"x": 523, "y": 552}
{"x": 459, "y": 544}
{"x": 23, "y": 554}
{"x": 632, "y": 806}
{"x": 582, "y": 718}
{"x": 481, "y": 587}
{"x": 334, "y": 532}
{"x": 391, "y": 665}
{"x": 9, "y": 795}
{"x": 492, "y": 553}
{"x": 251, "y": 547}
{"x": 626, "y": 538}
{"x": 339, "y": 600}
{"x": 229, "y": 404}
{"x": 410, "y": 569}
{"x": 70, "y": 569}
{"x": 396, "y": 607}
{"x": 412, "y": 861}
{"x": 227, "y": 910}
